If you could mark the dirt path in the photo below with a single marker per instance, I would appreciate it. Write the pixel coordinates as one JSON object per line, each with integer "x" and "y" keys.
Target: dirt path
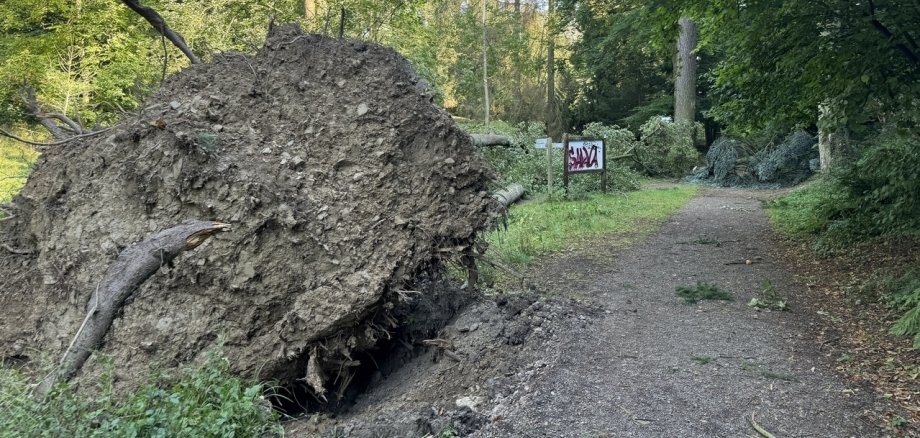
{"x": 654, "y": 367}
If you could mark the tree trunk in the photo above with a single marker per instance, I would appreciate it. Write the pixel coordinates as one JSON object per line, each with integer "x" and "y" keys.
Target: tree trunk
{"x": 35, "y": 111}
{"x": 518, "y": 93}
{"x": 685, "y": 73}
{"x": 485, "y": 65}
{"x": 509, "y": 195}
{"x": 158, "y": 23}
{"x": 129, "y": 271}
{"x": 833, "y": 136}
{"x": 490, "y": 140}
{"x": 551, "y": 125}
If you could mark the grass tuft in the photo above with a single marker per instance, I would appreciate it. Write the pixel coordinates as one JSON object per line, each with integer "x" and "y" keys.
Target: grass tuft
{"x": 702, "y": 291}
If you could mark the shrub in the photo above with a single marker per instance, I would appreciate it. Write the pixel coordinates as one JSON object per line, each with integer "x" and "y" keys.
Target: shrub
{"x": 526, "y": 165}
{"x": 207, "y": 402}
{"x": 903, "y": 297}
{"x": 667, "y": 148}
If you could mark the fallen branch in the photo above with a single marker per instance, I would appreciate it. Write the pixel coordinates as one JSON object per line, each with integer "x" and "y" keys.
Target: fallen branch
{"x": 490, "y": 140}
{"x": 763, "y": 432}
{"x": 54, "y": 143}
{"x": 132, "y": 268}
{"x": 14, "y": 250}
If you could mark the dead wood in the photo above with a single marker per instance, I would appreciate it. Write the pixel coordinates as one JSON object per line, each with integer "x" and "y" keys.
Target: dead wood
{"x": 35, "y": 110}
{"x": 491, "y": 140}
{"x": 509, "y": 195}
{"x": 53, "y": 143}
{"x": 158, "y": 23}
{"x": 132, "y": 267}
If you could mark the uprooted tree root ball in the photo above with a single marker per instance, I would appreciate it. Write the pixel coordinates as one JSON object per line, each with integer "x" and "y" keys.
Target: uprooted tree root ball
{"x": 341, "y": 181}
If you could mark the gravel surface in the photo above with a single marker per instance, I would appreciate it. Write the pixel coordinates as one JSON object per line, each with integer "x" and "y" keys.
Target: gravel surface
{"x": 654, "y": 367}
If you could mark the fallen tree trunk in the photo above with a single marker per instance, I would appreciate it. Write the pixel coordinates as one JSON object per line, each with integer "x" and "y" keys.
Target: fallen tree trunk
{"x": 134, "y": 265}
{"x": 490, "y": 140}
{"x": 509, "y": 195}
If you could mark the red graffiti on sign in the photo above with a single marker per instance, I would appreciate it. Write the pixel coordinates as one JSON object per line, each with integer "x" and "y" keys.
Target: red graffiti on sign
{"x": 584, "y": 156}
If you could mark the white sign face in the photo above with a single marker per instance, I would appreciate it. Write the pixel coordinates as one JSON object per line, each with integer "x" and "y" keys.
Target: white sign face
{"x": 586, "y": 155}
{"x": 541, "y": 144}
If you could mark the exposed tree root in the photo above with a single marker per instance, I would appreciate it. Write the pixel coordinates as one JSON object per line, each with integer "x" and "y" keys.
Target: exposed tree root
{"x": 134, "y": 266}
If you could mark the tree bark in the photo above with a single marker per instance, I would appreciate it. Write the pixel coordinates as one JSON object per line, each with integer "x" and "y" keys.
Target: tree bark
{"x": 685, "y": 73}
{"x": 485, "y": 64}
{"x": 509, "y": 195}
{"x": 129, "y": 271}
{"x": 551, "y": 125}
{"x": 490, "y": 140}
{"x": 158, "y": 23}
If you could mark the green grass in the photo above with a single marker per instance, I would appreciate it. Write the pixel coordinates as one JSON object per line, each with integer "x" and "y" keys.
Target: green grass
{"x": 800, "y": 213}
{"x": 205, "y": 401}
{"x": 541, "y": 228}
{"x": 702, "y": 291}
{"x": 16, "y": 161}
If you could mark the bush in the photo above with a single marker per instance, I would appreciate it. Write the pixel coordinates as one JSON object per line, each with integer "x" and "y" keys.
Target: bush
{"x": 526, "y": 165}
{"x": 903, "y": 297}
{"x": 667, "y": 148}
{"x": 880, "y": 192}
{"x": 206, "y": 402}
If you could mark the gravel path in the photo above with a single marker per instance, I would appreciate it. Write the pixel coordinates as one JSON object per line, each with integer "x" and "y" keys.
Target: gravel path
{"x": 655, "y": 367}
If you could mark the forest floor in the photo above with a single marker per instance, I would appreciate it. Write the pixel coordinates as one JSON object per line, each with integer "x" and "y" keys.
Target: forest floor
{"x": 605, "y": 348}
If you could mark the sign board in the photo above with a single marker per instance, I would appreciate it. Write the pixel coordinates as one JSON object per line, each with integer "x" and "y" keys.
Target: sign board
{"x": 585, "y": 156}
{"x": 541, "y": 144}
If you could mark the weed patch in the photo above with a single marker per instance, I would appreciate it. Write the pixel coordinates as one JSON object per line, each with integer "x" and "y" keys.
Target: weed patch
{"x": 207, "y": 401}
{"x": 702, "y": 291}
{"x": 703, "y": 360}
{"x": 769, "y": 298}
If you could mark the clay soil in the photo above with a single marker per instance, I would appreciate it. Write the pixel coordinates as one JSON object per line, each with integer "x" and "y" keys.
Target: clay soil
{"x": 605, "y": 348}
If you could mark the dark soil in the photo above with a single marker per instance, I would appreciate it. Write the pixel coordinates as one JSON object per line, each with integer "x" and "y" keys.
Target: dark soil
{"x": 610, "y": 350}
{"x": 342, "y": 182}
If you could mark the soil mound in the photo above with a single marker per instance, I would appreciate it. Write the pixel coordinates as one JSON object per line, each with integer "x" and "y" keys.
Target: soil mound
{"x": 339, "y": 177}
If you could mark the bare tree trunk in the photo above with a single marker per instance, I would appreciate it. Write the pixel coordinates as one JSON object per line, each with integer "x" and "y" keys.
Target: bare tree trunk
{"x": 833, "y": 138}
{"x": 485, "y": 64}
{"x": 132, "y": 268}
{"x": 518, "y": 94}
{"x": 32, "y": 105}
{"x": 309, "y": 9}
{"x": 685, "y": 73}
{"x": 490, "y": 140}
{"x": 551, "y": 125}
{"x": 158, "y": 23}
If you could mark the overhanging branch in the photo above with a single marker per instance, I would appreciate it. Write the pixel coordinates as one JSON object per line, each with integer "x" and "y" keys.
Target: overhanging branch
{"x": 158, "y": 23}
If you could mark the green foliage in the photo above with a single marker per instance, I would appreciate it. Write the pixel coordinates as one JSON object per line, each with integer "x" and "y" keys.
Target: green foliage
{"x": 702, "y": 291}
{"x": 524, "y": 164}
{"x": 804, "y": 212}
{"x": 902, "y": 295}
{"x": 769, "y": 298}
{"x": 782, "y": 58}
{"x": 667, "y": 148}
{"x": 539, "y": 228}
{"x": 207, "y": 401}
{"x": 16, "y": 162}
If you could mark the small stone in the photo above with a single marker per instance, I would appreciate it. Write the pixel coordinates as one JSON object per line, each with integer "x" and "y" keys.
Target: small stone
{"x": 363, "y": 109}
{"x": 174, "y": 104}
{"x": 267, "y": 151}
{"x": 449, "y": 161}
